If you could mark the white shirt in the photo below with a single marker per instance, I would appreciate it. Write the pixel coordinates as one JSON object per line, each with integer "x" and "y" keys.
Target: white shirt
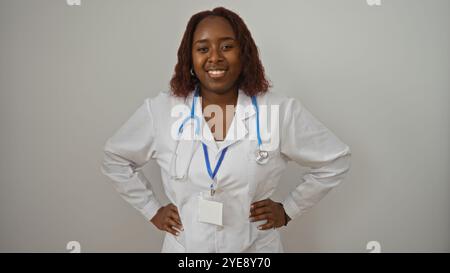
{"x": 241, "y": 181}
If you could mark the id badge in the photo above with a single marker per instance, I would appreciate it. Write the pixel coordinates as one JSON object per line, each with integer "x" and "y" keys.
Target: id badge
{"x": 209, "y": 211}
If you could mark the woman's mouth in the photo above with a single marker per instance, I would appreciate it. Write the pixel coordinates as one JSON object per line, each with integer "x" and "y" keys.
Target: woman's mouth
{"x": 216, "y": 74}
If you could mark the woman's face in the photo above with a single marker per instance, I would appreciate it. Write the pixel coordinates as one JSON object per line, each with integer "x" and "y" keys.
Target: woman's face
{"x": 216, "y": 55}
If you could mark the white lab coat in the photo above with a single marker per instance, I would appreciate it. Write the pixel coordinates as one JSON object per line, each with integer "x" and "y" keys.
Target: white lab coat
{"x": 241, "y": 181}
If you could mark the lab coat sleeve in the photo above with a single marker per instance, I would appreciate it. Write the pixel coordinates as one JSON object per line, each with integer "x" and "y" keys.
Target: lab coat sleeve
{"x": 309, "y": 143}
{"x": 125, "y": 153}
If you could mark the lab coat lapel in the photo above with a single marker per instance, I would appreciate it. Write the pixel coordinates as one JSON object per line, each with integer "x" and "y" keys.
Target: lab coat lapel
{"x": 239, "y": 126}
{"x": 238, "y": 129}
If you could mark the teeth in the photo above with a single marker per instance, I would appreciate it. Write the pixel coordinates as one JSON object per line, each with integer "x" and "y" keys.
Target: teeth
{"x": 216, "y": 72}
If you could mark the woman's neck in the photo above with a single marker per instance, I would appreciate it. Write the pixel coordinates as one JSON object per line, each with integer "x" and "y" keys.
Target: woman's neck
{"x": 223, "y": 118}
{"x": 227, "y": 98}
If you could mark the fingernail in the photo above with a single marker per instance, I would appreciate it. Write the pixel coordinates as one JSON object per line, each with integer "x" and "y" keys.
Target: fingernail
{"x": 259, "y": 227}
{"x": 177, "y": 233}
{"x": 252, "y": 219}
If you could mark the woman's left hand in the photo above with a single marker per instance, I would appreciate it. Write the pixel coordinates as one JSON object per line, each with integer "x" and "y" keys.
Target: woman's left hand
{"x": 268, "y": 210}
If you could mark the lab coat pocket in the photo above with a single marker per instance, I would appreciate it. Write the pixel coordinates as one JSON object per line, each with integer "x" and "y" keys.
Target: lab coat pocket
{"x": 172, "y": 245}
{"x": 181, "y": 159}
{"x": 266, "y": 240}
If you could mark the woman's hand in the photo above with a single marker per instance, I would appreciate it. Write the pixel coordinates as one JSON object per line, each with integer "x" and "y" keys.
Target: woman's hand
{"x": 168, "y": 219}
{"x": 271, "y": 211}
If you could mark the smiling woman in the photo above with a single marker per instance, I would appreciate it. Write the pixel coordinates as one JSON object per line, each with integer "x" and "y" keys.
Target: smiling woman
{"x": 225, "y": 207}
{"x": 215, "y": 55}
{"x": 218, "y": 42}
{"x": 214, "y": 46}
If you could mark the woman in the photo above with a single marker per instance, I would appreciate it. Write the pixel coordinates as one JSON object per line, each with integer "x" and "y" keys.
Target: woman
{"x": 219, "y": 167}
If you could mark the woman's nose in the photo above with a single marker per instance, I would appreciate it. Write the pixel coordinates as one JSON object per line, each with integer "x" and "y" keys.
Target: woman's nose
{"x": 215, "y": 55}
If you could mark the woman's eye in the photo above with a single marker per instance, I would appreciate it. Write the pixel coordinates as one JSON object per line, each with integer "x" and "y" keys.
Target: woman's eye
{"x": 227, "y": 46}
{"x": 202, "y": 49}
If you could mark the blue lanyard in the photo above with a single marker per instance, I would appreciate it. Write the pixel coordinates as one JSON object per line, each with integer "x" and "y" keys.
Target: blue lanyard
{"x": 211, "y": 173}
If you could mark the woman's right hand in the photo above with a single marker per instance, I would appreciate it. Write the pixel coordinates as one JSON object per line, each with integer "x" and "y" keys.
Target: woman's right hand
{"x": 168, "y": 219}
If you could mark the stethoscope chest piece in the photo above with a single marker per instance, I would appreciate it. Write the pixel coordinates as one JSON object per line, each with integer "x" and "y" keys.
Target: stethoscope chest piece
{"x": 262, "y": 157}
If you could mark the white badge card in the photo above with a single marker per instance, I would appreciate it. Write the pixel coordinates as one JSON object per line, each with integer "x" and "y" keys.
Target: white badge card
{"x": 209, "y": 211}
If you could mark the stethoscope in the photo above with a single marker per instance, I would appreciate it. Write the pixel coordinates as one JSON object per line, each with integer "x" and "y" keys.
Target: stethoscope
{"x": 262, "y": 156}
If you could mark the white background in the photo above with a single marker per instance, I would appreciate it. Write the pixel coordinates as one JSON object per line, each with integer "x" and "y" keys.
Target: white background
{"x": 378, "y": 77}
